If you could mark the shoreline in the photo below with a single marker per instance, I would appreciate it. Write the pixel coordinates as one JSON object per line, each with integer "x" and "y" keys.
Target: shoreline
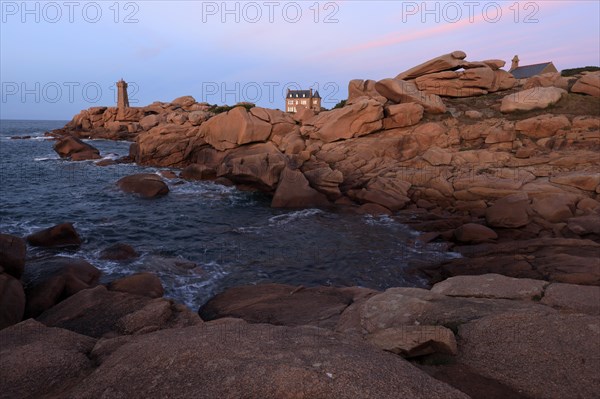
{"x": 511, "y": 185}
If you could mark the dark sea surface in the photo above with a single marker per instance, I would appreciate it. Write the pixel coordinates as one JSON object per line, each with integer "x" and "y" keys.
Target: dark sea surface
{"x": 201, "y": 237}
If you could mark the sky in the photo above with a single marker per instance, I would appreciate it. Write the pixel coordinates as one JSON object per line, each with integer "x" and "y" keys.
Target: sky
{"x": 59, "y": 57}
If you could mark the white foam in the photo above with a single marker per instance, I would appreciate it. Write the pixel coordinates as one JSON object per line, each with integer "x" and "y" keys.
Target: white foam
{"x": 286, "y": 218}
{"x": 46, "y": 158}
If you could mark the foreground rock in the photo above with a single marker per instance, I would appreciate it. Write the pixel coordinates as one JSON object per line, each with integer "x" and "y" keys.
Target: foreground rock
{"x": 37, "y": 361}
{"x": 513, "y": 348}
{"x": 147, "y": 185}
{"x": 61, "y": 235}
{"x": 268, "y": 371}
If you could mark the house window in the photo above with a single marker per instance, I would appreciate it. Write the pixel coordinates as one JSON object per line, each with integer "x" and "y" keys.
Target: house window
{"x": 303, "y": 102}
{"x": 291, "y": 102}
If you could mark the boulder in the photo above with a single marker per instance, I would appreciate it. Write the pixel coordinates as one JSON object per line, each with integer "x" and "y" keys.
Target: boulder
{"x": 233, "y": 128}
{"x": 502, "y": 81}
{"x": 402, "y": 115}
{"x": 37, "y": 361}
{"x": 145, "y": 284}
{"x": 68, "y": 146}
{"x": 359, "y": 119}
{"x": 12, "y": 300}
{"x": 49, "y": 281}
{"x": 278, "y": 362}
{"x": 197, "y": 117}
{"x": 325, "y": 180}
{"x": 280, "y": 304}
{"x": 467, "y": 83}
{"x": 358, "y": 88}
{"x": 578, "y": 298}
{"x": 509, "y": 212}
{"x": 446, "y": 62}
{"x": 61, "y": 235}
{"x": 437, "y": 156}
{"x": 542, "y": 126}
{"x": 294, "y": 191}
{"x": 198, "y": 172}
{"x": 582, "y": 225}
{"x": 390, "y": 193}
{"x": 588, "y": 84}
{"x": 583, "y": 180}
{"x": 398, "y": 307}
{"x": 256, "y": 165}
{"x": 184, "y": 101}
{"x": 119, "y": 251}
{"x": 12, "y": 254}
{"x": 540, "y": 354}
{"x": 97, "y": 313}
{"x": 554, "y": 207}
{"x": 147, "y": 185}
{"x": 536, "y": 98}
{"x": 491, "y": 286}
{"x": 548, "y": 79}
{"x": 415, "y": 341}
{"x": 166, "y": 145}
{"x": 149, "y": 121}
{"x": 472, "y": 232}
{"x": 400, "y": 91}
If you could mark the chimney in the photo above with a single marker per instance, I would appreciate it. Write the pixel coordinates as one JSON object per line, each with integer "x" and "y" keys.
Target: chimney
{"x": 515, "y": 63}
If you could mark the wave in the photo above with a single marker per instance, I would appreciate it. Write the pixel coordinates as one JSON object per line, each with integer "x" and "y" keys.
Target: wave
{"x": 47, "y": 158}
{"x": 280, "y": 220}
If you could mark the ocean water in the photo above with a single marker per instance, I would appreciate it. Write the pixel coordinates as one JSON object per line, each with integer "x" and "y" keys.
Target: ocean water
{"x": 202, "y": 237}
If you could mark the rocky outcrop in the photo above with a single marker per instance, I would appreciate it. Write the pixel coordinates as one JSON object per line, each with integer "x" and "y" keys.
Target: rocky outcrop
{"x": 146, "y": 185}
{"x": 588, "y": 84}
{"x": 62, "y": 235}
{"x": 359, "y": 119}
{"x": 233, "y": 128}
{"x": 445, "y": 62}
{"x": 75, "y": 149}
{"x": 400, "y": 91}
{"x": 294, "y": 191}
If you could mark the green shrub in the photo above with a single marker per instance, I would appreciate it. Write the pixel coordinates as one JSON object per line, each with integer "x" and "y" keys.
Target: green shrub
{"x": 575, "y": 71}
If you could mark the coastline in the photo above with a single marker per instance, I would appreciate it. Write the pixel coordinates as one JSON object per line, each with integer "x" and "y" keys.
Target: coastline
{"x": 513, "y": 190}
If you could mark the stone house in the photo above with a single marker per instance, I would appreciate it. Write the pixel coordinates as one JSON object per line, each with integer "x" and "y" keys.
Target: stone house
{"x": 295, "y": 99}
{"x": 527, "y": 71}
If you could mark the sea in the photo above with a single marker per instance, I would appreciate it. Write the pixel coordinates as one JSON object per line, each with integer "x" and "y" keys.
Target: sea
{"x": 202, "y": 237}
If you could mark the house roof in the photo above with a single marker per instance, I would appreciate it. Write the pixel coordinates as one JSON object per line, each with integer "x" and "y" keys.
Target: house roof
{"x": 302, "y": 94}
{"x": 527, "y": 71}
